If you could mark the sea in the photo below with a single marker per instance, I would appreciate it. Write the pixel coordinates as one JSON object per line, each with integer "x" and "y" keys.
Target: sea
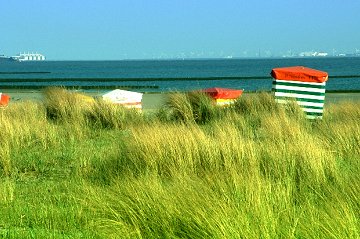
{"x": 173, "y": 75}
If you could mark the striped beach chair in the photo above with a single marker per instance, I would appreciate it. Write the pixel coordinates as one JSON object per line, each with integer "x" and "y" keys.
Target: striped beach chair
{"x": 304, "y": 85}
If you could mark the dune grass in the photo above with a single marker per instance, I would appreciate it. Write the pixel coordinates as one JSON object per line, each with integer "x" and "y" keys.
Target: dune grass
{"x": 71, "y": 168}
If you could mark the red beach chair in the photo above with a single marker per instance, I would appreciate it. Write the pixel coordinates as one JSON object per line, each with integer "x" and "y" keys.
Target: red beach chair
{"x": 223, "y": 96}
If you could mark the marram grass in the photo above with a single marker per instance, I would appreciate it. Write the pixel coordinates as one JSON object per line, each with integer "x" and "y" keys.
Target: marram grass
{"x": 74, "y": 169}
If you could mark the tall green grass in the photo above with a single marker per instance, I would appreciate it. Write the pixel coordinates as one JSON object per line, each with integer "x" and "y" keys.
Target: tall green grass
{"x": 77, "y": 169}
{"x": 192, "y": 107}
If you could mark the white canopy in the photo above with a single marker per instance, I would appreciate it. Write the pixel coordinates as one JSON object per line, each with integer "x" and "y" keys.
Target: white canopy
{"x": 124, "y": 97}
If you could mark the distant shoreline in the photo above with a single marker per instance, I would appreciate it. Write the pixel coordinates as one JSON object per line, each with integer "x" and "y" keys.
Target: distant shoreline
{"x": 87, "y": 89}
{"x": 210, "y": 58}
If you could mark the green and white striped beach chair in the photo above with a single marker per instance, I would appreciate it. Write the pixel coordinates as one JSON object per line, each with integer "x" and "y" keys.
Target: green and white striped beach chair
{"x": 304, "y": 85}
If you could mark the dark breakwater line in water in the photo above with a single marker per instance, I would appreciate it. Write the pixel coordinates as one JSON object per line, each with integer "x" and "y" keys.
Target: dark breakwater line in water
{"x": 93, "y": 79}
{"x": 342, "y": 91}
{"x": 134, "y": 79}
{"x": 23, "y": 72}
{"x": 38, "y": 87}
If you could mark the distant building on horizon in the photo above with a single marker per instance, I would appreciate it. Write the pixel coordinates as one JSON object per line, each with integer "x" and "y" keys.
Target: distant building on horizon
{"x": 313, "y": 54}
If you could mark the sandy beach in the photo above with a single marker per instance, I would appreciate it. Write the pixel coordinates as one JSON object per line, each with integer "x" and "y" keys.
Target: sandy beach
{"x": 156, "y": 100}
{"x": 150, "y": 100}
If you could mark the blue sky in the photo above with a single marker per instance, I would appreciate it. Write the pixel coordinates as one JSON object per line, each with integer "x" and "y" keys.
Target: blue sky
{"x": 146, "y": 29}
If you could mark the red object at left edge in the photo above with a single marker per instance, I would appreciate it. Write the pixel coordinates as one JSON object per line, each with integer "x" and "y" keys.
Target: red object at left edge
{"x": 4, "y": 100}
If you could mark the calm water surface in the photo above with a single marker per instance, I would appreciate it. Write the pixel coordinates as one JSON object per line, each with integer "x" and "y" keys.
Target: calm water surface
{"x": 174, "y": 75}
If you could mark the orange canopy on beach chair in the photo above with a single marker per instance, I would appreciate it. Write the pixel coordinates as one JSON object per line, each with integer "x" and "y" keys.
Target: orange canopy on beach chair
{"x": 299, "y": 73}
{"x": 223, "y": 93}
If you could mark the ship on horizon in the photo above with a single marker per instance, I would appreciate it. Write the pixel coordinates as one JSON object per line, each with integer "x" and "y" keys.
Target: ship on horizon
{"x": 29, "y": 57}
{"x": 23, "y": 57}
